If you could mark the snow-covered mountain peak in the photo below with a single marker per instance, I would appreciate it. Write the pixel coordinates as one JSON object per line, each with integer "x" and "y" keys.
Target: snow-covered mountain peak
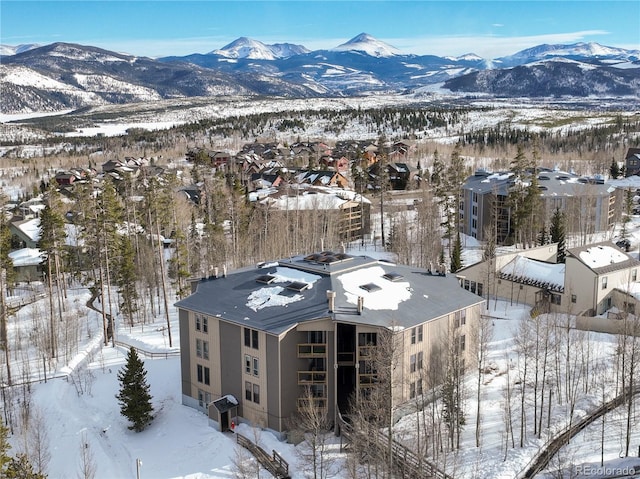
{"x": 252, "y": 49}
{"x": 15, "y": 49}
{"x": 581, "y": 49}
{"x": 245, "y": 47}
{"x": 367, "y": 44}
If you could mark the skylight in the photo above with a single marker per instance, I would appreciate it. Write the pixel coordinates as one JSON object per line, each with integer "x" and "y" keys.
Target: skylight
{"x": 297, "y": 286}
{"x": 370, "y": 287}
{"x": 266, "y": 278}
{"x": 393, "y": 276}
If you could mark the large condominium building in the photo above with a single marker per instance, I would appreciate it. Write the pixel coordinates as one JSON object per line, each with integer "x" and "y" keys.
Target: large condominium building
{"x": 257, "y": 340}
{"x": 589, "y": 205}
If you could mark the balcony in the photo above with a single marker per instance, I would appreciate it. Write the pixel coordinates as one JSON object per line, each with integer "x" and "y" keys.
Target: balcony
{"x": 316, "y": 402}
{"x": 312, "y": 350}
{"x": 312, "y": 377}
{"x": 367, "y": 379}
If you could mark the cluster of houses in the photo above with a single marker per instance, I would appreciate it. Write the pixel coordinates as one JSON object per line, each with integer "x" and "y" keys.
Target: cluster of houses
{"x": 24, "y": 222}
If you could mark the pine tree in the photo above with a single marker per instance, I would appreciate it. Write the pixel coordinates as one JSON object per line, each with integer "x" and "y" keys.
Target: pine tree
{"x": 17, "y": 467}
{"x": 4, "y": 448}
{"x": 456, "y": 254}
{"x": 134, "y": 397}
{"x": 52, "y": 236}
{"x": 557, "y": 233}
{"x": 126, "y": 278}
{"x": 614, "y": 169}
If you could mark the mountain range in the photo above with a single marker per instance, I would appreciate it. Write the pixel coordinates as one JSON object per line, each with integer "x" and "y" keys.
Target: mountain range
{"x": 64, "y": 76}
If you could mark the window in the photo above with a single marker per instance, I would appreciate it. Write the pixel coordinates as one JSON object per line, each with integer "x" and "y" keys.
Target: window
{"x": 199, "y": 348}
{"x": 252, "y": 392}
{"x": 460, "y": 318}
{"x": 419, "y": 387}
{"x": 413, "y": 335}
{"x": 461, "y": 343}
{"x": 420, "y": 333}
{"x": 556, "y": 299}
{"x": 412, "y": 363}
{"x": 203, "y": 374}
{"x": 205, "y": 324}
{"x": 251, "y": 338}
{"x": 198, "y": 323}
{"x": 247, "y": 364}
{"x": 574, "y": 298}
{"x": 205, "y": 349}
{"x": 604, "y": 282}
{"x": 419, "y": 361}
{"x": 204, "y": 398}
{"x": 251, "y": 365}
{"x": 256, "y": 394}
{"x": 412, "y": 390}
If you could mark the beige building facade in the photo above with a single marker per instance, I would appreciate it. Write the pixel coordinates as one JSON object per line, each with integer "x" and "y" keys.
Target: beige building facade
{"x": 273, "y": 337}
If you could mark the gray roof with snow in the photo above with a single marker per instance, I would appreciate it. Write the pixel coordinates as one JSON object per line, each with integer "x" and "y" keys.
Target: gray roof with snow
{"x": 550, "y": 183}
{"x": 277, "y": 296}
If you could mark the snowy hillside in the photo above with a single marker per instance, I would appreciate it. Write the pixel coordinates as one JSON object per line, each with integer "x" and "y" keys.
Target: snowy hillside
{"x": 79, "y": 415}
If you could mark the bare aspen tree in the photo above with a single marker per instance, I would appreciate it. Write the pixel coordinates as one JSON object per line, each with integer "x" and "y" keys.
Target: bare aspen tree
{"x": 481, "y": 332}
{"x": 314, "y": 423}
{"x": 525, "y": 344}
{"x": 38, "y": 441}
{"x": 87, "y": 468}
{"x": 507, "y": 412}
{"x": 244, "y": 465}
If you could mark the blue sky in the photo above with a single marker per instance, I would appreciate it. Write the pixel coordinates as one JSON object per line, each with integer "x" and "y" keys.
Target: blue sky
{"x": 160, "y": 28}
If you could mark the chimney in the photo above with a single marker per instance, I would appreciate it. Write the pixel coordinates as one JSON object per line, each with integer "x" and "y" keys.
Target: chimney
{"x": 360, "y": 304}
{"x": 331, "y": 298}
{"x": 215, "y": 272}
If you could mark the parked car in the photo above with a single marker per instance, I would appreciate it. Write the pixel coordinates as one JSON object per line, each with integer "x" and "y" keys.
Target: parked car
{"x": 624, "y": 244}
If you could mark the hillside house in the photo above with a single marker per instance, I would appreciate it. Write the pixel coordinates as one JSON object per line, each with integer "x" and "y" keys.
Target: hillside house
{"x": 588, "y": 283}
{"x": 322, "y": 178}
{"x": 632, "y": 162}
{"x": 269, "y": 334}
{"x": 348, "y": 212}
